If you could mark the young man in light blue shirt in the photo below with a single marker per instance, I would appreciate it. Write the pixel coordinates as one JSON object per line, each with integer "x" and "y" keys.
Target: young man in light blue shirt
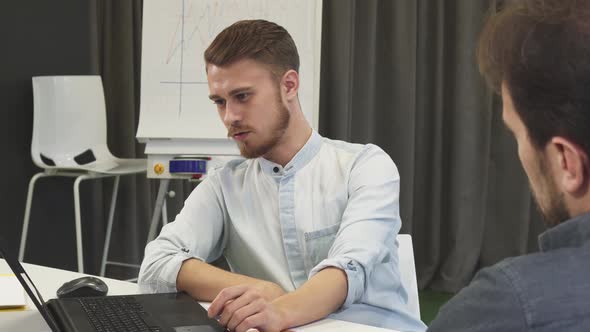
{"x": 308, "y": 225}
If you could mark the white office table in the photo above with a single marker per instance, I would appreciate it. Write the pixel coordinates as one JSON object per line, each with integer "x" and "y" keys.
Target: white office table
{"x": 48, "y": 280}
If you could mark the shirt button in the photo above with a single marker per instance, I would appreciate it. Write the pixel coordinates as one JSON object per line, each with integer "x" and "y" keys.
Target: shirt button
{"x": 351, "y": 266}
{"x": 276, "y": 169}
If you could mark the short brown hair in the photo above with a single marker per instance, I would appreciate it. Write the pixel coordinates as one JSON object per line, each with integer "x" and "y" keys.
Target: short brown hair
{"x": 541, "y": 50}
{"x": 259, "y": 40}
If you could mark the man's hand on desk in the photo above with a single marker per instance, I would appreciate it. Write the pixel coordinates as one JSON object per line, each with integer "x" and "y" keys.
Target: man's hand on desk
{"x": 244, "y": 307}
{"x": 247, "y": 306}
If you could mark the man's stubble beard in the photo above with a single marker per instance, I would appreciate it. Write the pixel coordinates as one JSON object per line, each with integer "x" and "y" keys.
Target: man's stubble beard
{"x": 277, "y": 134}
{"x": 552, "y": 207}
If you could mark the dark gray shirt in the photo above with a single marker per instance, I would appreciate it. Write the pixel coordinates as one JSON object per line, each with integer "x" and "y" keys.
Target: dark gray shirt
{"x": 545, "y": 291}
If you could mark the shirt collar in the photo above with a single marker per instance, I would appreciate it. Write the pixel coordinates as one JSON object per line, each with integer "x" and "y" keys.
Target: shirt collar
{"x": 571, "y": 233}
{"x": 303, "y": 156}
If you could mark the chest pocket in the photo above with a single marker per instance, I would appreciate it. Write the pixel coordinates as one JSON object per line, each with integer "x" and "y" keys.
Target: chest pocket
{"x": 318, "y": 244}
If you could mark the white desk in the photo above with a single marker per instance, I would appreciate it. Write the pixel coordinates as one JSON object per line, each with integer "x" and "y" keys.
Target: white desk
{"x": 48, "y": 280}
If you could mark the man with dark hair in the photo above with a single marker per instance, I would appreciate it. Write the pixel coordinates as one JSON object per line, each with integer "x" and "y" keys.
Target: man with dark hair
{"x": 536, "y": 54}
{"x": 308, "y": 225}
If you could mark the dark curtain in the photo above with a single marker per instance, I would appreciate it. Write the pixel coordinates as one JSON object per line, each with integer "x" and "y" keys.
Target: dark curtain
{"x": 117, "y": 33}
{"x": 403, "y": 75}
{"x": 117, "y": 57}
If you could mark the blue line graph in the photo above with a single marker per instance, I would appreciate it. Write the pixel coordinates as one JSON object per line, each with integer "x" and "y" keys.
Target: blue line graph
{"x": 181, "y": 60}
{"x": 179, "y": 48}
{"x": 193, "y": 24}
{"x": 174, "y": 89}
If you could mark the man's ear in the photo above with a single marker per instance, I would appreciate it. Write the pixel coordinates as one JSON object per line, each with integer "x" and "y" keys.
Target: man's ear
{"x": 572, "y": 164}
{"x": 290, "y": 84}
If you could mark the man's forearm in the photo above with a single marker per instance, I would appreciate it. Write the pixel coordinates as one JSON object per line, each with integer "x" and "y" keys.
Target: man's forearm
{"x": 320, "y": 296}
{"x": 204, "y": 281}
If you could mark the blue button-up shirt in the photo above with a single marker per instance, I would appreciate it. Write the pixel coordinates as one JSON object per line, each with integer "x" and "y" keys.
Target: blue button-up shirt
{"x": 548, "y": 291}
{"x": 335, "y": 204}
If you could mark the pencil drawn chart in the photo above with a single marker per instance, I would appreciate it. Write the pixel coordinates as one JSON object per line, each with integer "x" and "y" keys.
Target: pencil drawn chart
{"x": 174, "y": 90}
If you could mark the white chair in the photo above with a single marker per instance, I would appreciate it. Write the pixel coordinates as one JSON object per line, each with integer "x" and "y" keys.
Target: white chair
{"x": 408, "y": 272}
{"x": 70, "y": 140}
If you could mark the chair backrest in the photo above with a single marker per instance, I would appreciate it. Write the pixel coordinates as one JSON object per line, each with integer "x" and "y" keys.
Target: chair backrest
{"x": 69, "y": 122}
{"x": 408, "y": 272}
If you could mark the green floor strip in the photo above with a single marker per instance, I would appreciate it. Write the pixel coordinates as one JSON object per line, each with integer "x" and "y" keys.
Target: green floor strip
{"x": 430, "y": 303}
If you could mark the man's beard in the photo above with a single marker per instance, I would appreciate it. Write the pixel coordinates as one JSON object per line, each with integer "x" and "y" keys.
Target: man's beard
{"x": 554, "y": 210}
{"x": 255, "y": 151}
{"x": 550, "y": 201}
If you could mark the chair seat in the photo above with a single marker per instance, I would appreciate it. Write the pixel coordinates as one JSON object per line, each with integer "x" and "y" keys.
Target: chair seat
{"x": 126, "y": 166}
{"x": 114, "y": 166}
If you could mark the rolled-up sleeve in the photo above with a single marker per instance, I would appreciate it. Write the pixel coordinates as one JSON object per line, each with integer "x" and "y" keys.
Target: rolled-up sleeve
{"x": 365, "y": 241}
{"x": 197, "y": 232}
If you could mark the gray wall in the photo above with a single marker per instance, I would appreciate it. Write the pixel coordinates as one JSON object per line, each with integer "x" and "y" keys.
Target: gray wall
{"x": 38, "y": 38}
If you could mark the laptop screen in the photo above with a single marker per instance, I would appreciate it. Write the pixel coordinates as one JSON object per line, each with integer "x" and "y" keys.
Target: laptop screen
{"x": 28, "y": 285}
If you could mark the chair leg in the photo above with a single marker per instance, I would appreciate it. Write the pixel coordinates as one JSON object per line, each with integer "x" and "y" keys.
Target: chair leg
{"x": 158, "y": 208}
{"x": 165, "y": 213}
{"x": 107, "y": 240}
{"x": 23, "y": 238}
{"x": 79, "y": 251}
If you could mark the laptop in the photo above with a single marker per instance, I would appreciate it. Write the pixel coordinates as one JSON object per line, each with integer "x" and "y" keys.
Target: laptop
{"x": 165, "y": 312}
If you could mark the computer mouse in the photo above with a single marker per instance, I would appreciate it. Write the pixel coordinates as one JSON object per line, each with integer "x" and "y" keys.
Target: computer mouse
{"x": 82, "y": 287}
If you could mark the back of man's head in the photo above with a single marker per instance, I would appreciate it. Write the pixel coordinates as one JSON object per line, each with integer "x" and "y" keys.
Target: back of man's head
{"x": 263, "y": 41}
{"x": 540, "y": 50}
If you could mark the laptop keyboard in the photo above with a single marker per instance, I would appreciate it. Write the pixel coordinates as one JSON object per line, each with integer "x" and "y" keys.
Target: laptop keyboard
{"x": 113, "y": 314}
